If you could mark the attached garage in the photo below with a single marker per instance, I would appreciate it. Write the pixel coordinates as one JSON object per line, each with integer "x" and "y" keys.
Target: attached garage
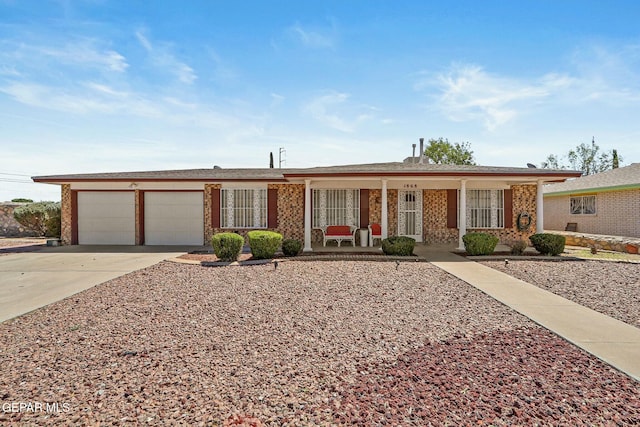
{"x": 106, "y": 218}
{"x": 173, "y": 218}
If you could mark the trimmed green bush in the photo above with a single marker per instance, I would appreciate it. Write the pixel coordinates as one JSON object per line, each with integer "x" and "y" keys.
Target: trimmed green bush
{"x": 479, "y": 243}
{"x": 548, "y": 244}
{"x": 21, "y": 200}
{"x": 227, "y": 246}
{"x": 291, "y": 247}
{"x": 518, "y": 247}
{"x": 398, "y": 245}
{"x": 264, "y": 244}
{"x": 53, "y": 223}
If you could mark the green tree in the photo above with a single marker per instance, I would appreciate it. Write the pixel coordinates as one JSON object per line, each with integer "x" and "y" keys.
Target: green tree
{"x": 42, "y": 217}
{"x": 442, "y": 152}
{"x": 586, "y": 158}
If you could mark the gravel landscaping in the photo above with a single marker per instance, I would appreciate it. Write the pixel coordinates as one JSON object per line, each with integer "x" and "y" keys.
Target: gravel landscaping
{"x": 611, "y": 288}
{"x": 308, "y": 343}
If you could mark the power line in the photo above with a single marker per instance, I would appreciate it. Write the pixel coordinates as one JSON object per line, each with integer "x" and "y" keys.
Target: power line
{"x": 14, "y": 174}
{"x": 16, "y": 180}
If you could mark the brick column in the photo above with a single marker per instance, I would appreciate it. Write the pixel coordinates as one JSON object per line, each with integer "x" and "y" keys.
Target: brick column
{"x": 65, "y": 213}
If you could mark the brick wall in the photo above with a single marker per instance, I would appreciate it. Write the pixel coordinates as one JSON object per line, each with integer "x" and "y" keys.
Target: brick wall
{"x": 434, "y": 208}
{"x": 524, "y": 200}
{"x": 290, "y": 210}
{"x": 65, "y": 211}
{"x": 616, "y": 214}
{"x": 291, "y": 213}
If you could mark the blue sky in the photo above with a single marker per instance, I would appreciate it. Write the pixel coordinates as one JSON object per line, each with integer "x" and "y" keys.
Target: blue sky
{"x": 98, "y": 86}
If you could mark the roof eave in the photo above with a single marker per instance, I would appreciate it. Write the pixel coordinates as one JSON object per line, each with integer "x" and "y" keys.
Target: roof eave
{"x": 594, "y": 190}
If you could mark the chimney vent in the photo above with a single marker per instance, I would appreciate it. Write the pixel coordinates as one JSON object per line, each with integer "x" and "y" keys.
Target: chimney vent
{"x": 413, "y": 155}
{"x": 421, "y": 158}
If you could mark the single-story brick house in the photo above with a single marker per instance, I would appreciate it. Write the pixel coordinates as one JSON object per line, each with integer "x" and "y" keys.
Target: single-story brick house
{"x": 412, "y": 198}
{"x": 604, "y": 203}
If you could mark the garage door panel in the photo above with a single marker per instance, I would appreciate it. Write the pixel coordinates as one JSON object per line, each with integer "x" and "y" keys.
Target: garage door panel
{"x": 174, "y": 218}
{"x": 106, "y": 218}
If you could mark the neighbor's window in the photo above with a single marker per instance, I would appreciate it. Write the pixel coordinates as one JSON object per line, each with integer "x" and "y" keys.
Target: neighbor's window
{"x": 336, "y": 207}
{"x": 485, "y": 208}
{"x": 583, "y": 205}
{"x": 243, "y": 208}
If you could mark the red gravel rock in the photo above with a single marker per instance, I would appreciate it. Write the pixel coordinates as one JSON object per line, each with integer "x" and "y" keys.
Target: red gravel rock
{"x": 521, "y": 377}
{"x": 311, "y": 343}
{"x": 611, "y": 288}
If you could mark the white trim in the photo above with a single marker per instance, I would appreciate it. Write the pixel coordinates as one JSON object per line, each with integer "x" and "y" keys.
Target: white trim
{"x": 307, "y": 216}
{"x": 385, "y": 211}
{"x": 462, "y": 209}
{"x": 139, "y": 185}
{"x": 239, "y": 185}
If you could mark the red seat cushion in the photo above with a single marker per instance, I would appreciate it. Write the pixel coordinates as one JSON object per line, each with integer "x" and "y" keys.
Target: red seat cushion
{"x": 376, "y": 229}
{"x": 338, "y": 230}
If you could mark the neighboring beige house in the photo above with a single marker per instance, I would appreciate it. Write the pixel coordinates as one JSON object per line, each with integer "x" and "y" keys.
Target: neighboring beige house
{"x": 411, "y": 198}
{"x": 604, "y": 203}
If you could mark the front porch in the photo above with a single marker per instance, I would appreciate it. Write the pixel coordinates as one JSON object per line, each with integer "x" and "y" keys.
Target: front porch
{"x": 422, "y": 250}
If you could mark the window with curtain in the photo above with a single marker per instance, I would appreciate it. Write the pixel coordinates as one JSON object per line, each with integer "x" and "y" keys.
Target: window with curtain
{"x": 243, "y": 208}
{"x": 583, "y": 205}
{"x": 336, "y": 207}
{"x": 485, "y": 208}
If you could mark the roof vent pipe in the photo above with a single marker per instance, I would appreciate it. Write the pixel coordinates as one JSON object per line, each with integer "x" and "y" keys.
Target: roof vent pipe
{"x": 413, "y": 155}
{"x": 421, "y": 151}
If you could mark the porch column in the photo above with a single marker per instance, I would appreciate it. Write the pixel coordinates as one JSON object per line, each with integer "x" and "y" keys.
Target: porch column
{"x": 307, "y": 216}
{"x": 539, "y": 208}
{"x": 462, "y": 226}
{"x": 385, "y": 211}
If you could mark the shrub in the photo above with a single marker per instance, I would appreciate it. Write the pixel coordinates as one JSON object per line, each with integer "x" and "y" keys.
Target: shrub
{"x": 548, "y": 244}
{"x": 227, "y": 246}
{"x": 398, "y": 245}
{"x": 53, "y": 223}
{"x": 518, "y": 247}
{"x": 21, "y": 200}
{"x": 479, "y": 243}
{"x": 264, "y": 244}
{"x": 41, "y": 217}
{"x": 291, "y": 247}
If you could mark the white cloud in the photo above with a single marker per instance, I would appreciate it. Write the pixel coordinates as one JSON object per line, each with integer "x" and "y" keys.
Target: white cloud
{"x": 276, "y": 99}
{"x": 162, "y": 57}
{"x": 316, "y": 39}
{"x": 320, "y": 109}
{"x": 468, "y": 92}
{"x": 85, "y": 53}
{"x": 79, "y": 53}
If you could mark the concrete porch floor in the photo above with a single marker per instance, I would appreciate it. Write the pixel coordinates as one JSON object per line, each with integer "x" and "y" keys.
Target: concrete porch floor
{"x": 421, "y": 249}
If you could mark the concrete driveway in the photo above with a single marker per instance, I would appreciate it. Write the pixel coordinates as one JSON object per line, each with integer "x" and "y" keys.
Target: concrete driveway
{"x": 34, "y": 279}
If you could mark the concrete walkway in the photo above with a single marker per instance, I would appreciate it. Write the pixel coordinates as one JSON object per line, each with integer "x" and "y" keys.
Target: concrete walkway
{"x": 34, "y": 279}
{"x": 610, "y": 340}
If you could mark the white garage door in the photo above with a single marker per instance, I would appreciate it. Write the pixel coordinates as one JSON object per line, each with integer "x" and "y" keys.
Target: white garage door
{"x": 106, "y": 218}
{"x": 173, "y": 218}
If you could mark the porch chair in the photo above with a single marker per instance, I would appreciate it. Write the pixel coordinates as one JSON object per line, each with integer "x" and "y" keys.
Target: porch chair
{"x": 375, "y": 232}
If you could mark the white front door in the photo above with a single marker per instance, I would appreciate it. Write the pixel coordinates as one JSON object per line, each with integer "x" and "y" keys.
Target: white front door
{"x": 410, "y": 214}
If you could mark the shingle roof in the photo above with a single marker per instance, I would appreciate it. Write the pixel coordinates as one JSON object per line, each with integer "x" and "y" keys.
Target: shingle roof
{"x": 624, "y": 177}
{"x": 268, "y": 174}
{"x": 428, "y": 168}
